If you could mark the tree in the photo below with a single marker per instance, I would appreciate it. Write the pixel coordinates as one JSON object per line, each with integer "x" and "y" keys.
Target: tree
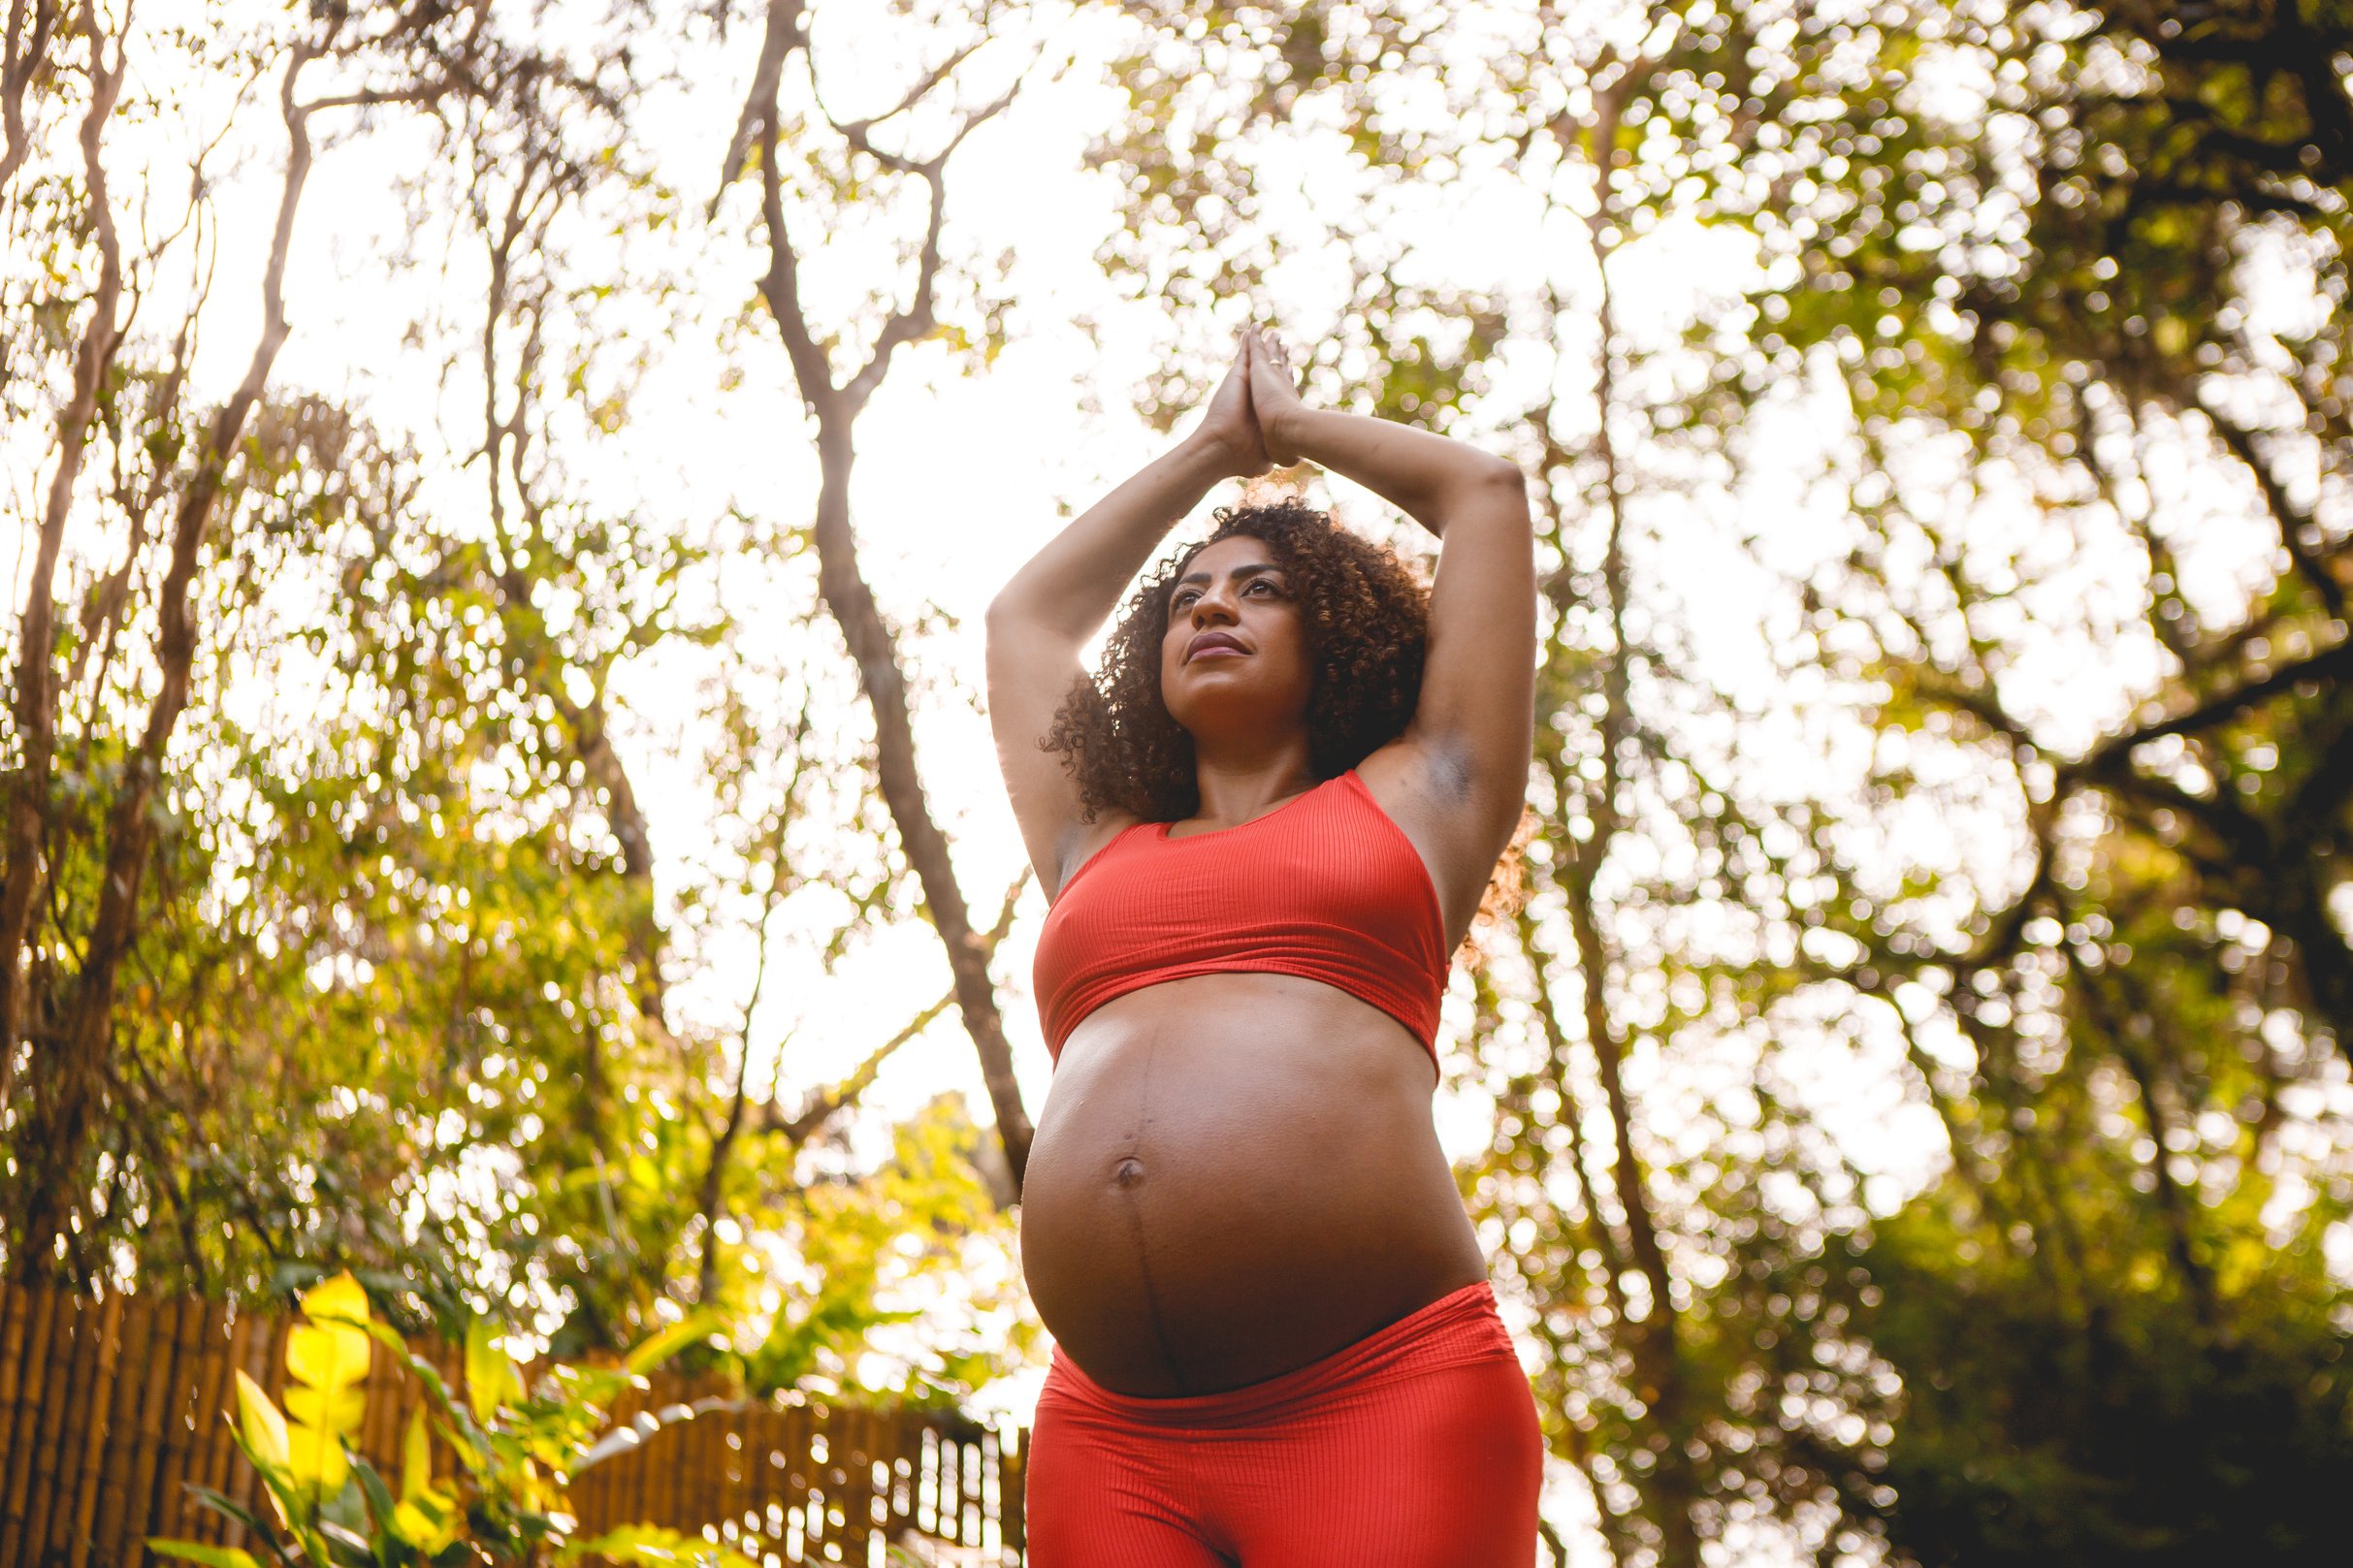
{"x": 401, "y": 990}
{"x": 1952, "y": 250}
{"x": 828, "y": 179}
{"x": 67, "y": 1018}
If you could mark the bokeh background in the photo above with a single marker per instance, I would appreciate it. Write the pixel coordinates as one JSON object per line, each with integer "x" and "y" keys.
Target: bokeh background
{"x": 498, "y": 794}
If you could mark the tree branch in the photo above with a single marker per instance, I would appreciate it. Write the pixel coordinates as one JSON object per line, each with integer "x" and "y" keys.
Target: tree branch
{"x": 2329, "y": 665}
{"x": 827, "y": 1103}
{"x": 27, "y": 50}
{"x": 2291, "y": 518}
{"x": 855, "y": 131}
{"x": 918, "y": 318}
{"x": 782, "y": 37}
{"x": 35, "y": 697}
{"x": 780, "y": 286}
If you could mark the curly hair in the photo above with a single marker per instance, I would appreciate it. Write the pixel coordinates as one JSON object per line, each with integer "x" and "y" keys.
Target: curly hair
{"x": 1367, "y": 618}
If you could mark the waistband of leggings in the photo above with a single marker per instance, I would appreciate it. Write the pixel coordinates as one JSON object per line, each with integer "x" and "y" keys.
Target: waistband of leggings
{"x": 1457, "y": 1327}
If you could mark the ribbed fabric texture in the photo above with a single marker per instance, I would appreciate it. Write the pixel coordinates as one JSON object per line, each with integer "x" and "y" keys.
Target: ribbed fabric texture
{"x": 1325, "y": 886}
{"x": 1417, "y": 1447}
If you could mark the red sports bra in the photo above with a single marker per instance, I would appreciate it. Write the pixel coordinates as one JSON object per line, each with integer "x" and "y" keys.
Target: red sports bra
{"x": 1325, "y": 886}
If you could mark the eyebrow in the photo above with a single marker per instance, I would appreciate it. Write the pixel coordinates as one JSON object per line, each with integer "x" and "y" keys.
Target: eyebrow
{"x": 1236, "y": 573}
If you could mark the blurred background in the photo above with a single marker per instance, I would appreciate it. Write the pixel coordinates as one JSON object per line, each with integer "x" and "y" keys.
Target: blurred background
{"x": 497, "y": 795}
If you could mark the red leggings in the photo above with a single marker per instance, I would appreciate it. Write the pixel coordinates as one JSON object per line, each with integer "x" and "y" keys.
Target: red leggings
{"x": 1415, "y": 1447}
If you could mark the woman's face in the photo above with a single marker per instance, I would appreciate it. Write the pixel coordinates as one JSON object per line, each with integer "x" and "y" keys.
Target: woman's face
{"x": 1235, "y": 657}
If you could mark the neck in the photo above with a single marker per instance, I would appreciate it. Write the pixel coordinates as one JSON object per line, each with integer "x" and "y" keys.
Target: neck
{"x": 1242, "y": 778}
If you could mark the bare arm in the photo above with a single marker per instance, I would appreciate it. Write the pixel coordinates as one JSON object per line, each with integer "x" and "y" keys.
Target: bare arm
{"x": 1472, "y": 726}
{"x": 1045, "y": 614}
{"x": 1072, "y": 586}
{"x": 1435, "y": 481}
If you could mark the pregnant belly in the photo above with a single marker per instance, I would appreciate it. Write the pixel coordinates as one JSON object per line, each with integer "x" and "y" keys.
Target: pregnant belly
{"x": 1235, "y": 1175}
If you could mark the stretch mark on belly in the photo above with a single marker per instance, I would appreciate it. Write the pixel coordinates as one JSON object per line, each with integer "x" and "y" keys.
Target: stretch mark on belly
{"x": 1128, "y": 1175}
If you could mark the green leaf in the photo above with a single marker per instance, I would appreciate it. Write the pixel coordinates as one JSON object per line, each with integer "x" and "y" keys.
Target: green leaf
{"x": 380, "y": 1505}
{"x": 436, "y": 1390}
{"x": 312, "y": 1407}
{"x": 491, "y": 1378}
{"x": 652, "y": 1545}
{"x": 197, "y": 1552}
{"x": 339, "y": 1300}
{"x": 331, "y": 1358}
{"x": 263, "y": 1427}
{"x": 230, "y": 1510}
{"x": 416, "y": 1457}
{"x": 652, "y": 1353}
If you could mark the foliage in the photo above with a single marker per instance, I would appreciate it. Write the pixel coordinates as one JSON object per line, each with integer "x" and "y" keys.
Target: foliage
{"x": 395, "y": 989}
{"x": 1940, "y": 730}
{"x": 1922, "y": 1125}
{"x": 2106, "y": 1424}
{"x": 518, "y": 1451}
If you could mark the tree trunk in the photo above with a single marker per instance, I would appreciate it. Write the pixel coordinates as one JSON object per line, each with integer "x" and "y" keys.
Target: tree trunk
{"x": 24, "y": 868}
{"x": 59, "y": 1128}
{"x": 841, "y": 583}
{"x": 852, "y": 603}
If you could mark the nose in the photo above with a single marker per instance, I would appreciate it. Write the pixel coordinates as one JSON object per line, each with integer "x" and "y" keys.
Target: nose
{"x": 1215, "y": 604}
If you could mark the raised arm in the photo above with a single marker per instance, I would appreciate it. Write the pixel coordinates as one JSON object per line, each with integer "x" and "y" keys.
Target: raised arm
{"x": 1472, "y": 726}
{"x": 1045, "y": 614}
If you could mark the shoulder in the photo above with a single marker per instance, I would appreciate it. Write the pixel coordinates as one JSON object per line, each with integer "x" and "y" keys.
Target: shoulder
{"x": 1457, "y": 816}
{"x": 1082, "y": 843}
{"x": 1413, "y": 775}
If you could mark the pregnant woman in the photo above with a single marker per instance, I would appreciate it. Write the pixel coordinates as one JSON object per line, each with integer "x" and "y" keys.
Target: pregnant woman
{"x": 1264, "y": 826}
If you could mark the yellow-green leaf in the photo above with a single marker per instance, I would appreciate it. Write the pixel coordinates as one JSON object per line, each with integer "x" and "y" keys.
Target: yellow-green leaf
{"x": 661, "y": 1346}
{"x": 198, "y": 1552}
{"x": 336, "y": 1300}
{"x": 652, "y": 1544}
{"x": 410, "y": 1524}
{"x": 428, "y": 1521}
{"x": 314, "y": 1407}
{"x": 264, "y": 1427}
{"x": 491, "y": 1379}
{"x": 329, "y": 1357}
{"x": 416, "y": 1457}
{"x": 316, "y": 1459}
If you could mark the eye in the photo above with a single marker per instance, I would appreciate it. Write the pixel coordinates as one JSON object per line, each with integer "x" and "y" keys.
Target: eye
{"x": 1182, "y": 597}
{"x": 1266, "y": 583}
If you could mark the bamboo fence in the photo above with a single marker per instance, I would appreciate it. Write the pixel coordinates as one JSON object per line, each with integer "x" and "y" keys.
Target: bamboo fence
{"x": 109, "y": 1407}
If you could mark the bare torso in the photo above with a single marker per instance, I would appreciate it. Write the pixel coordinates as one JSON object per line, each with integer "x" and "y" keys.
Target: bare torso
{"x": 1235, "y": 1175}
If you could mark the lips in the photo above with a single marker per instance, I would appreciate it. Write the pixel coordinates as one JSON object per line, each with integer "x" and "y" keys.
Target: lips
{"x": 1210, "y": 640}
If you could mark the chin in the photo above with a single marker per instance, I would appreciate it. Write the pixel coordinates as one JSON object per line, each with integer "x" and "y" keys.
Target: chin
{"x": 1236, "y": 713}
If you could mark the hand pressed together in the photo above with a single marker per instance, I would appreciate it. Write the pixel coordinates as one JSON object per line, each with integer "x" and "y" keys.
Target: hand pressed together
{"x": 1246, "y": 420}
{"x": 1229, "y": 425}
{"x": 1274, "y": 393}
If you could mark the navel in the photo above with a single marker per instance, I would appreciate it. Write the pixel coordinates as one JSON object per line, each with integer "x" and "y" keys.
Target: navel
{"x": 1128, "y": 1173}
